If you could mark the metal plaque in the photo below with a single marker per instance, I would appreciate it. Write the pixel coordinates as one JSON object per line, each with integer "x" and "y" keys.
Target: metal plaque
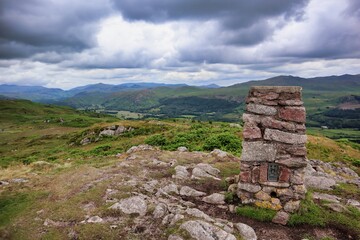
{"x": 273, "y": 172}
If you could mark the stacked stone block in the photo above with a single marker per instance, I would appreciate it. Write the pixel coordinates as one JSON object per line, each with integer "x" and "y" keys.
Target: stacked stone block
{"x": 274, "y": 153}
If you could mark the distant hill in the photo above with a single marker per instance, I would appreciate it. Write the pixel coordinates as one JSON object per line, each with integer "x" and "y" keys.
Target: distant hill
{"x": 323, "y": 97}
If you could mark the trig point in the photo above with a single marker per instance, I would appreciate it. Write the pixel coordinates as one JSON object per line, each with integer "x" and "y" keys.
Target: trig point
{"x": 274, "y": 153}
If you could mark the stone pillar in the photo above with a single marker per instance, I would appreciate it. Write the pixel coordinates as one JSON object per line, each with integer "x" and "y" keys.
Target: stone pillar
{"x": 274, "y": 153}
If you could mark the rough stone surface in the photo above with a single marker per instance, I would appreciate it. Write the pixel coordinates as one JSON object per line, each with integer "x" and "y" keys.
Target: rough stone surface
{"x": 246, "y": 231}
{"x": 326, "y": 197}
{"x": 199, "y": 214}
{"x": 174, "y": 237}
{"x": 281, "y": 217}
{"x": 219, "y": 153}
{"x": 131, "y": 205}
{"x": 182, "y": 149}
{"x": 284, "y": 137}
{"x": 292, "y": 206}
{"x": 293, "y": 162}
{"x": 319, "y": 182}
{"x": 107, "y": 132}
{"x": 215, "y": 198}
{"x": 296, "y": 114}
{"x": 160, "y": 210}
{"x": 201, "y": 230}
{"x": 262, "y": 196}
{"x": 259, "y": 151}
{"x": 190, "y": 192}
{"x": 95, "y": 219}
{"x": 251, "y": 132}
{"x": 181, "y": 172}
{"x": 261, "y": 109}
{"x": 253, "y": 188}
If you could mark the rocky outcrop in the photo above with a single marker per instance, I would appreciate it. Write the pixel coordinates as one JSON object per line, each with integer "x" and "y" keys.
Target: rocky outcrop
{"x": 201, "y": 230}
{"x": 131, "y": 205}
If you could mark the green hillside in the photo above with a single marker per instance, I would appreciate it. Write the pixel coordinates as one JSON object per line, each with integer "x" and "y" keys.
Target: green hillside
{"x": 324, "y": 98}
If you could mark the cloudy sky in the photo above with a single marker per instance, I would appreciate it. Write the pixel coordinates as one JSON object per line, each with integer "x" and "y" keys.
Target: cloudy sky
{"x": 67, "y": 43}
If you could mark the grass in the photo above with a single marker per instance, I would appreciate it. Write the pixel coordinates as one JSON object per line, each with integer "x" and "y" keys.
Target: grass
{"x": 260, "y": 214}
{"x": 316, "y": 215}
{"x": 13, "y": 205}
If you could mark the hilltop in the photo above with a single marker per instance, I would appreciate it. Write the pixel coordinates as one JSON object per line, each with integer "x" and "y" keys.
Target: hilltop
{"x": 63, "y": 180}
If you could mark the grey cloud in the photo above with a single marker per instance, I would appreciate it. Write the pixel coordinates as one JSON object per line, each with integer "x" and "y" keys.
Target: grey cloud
{"x": 243, "y": 17}
{"x": 41, "y": 25}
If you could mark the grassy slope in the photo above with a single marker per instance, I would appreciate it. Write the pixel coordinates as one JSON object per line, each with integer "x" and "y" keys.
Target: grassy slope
{"x": 27, "y": 140}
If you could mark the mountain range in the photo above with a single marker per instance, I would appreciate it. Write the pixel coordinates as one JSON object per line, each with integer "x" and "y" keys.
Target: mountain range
{"x": 324, "y": 97}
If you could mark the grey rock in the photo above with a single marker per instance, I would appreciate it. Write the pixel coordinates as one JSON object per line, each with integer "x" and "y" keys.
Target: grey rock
{"x": 3, "y": 183}
{"x": 253, "y": 188}
{"x": 259, "y": 151}
{"x": 353, "y": 203}
{"x": 284, "y": 137}
{"x": 219, "y": 153}
{"x": 246, "y": 231}
{"x": 190, "y": 192}
{"x": 131, "y": 205}
{"x": 19, "y": 180}
{"x": 281, "y": 217}
{"x": 160, "y": 210}
{"x": 215, "y": 198}
{"x": 172, "y": 219}
{"x": 199, "y": 214}
{"x": 293, "y": 162}
{"x": 85, "y": 141}
{"x": 261, "y": 109}
{"x": 142, "y": 147}
{"x": 95, "y": 219}
{"x": 174, "y": 237}
{"x": 292, "y": 206}
{"x": 150, "y": 186}
{"x": 182, "y": 149}
{"x": 208, "y": 168}
{"x": 326, "y": 197}
{"x": 181, "y": 172}
{"x": 336, "y": 207}
{"x": 107, "y": 132}
{"x": 120, "y": 130}
{"x": 168, "y": 189}
{"x": 319, "y": 182}
{"x": 201, "y": 230}
{"x": 198, "y": 173}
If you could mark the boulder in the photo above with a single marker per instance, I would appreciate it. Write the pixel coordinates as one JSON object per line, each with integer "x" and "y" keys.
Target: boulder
{"x": 284, "y": 137}
{"x": 182, "y": 149}
{"x": 215, "y": 198}
{"x": 181, "y": 173}
{"x": 107, "y": 132}
{"x": 319, "y": 182}
{"x": 326, "y": 197}
{"x": 95, "y": 219}
{"x": 190, "y": 192}
{"x": 160, "y": 210}
{"x": 281, "y": 217}
{"x": 142, "y": 147}
{"x": 219, "y": 153}
{"x": 131, "y": 205}
{"x": 246, "y": 231}
{"x": 199, "y": 214}
{"x": 204, "y": 170}
{"x": 201, "y": 230}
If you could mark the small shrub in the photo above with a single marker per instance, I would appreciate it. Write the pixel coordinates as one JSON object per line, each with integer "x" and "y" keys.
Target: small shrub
{"x": 156, "y": 140}
{"x": 100, "y": 150}
{"x": 223, "y": 141}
